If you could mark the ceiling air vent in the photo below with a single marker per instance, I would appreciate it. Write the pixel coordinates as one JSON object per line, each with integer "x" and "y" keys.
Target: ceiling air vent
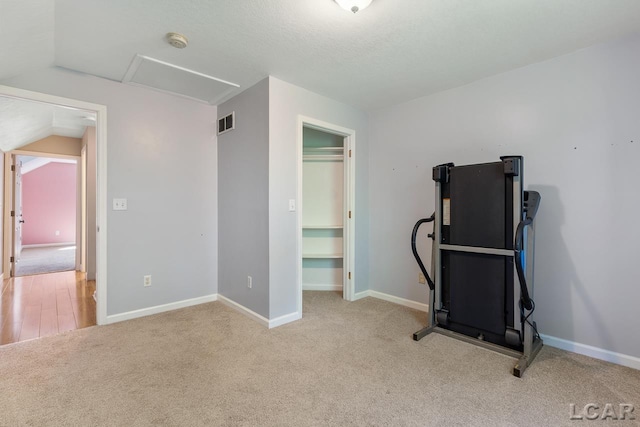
{"x": 169, "y": 78}
{"x": 227, "y": 123}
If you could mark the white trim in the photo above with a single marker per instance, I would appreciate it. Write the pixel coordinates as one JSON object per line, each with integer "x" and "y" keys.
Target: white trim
{"x": 595, "y": 352}
{"x": 244, "y": 310}
{"x": 349, "y": 224}
{"x": 287, "y": 318}
{"x": 1, "y": 277}
{"x": 361, "y": 295}
{"x": 273, "y": 323}
{"x": 53, "y": 156}
{"x": 299, "y": 169}
{"x": 401, "y": 301}
{"x": 101, "y": 214}
{"x": 40, "y": 161}
{"x": 114, "y": 318}
{"x": 318, "y": 287}
{"x": 48, "y": 245}
{"x": 392, "y": 298}
{"x": 584, "y": 349}
{"x": 101, "y": 142}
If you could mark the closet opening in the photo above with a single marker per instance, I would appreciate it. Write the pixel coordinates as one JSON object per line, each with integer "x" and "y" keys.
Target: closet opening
{"x": 326, "y": 216}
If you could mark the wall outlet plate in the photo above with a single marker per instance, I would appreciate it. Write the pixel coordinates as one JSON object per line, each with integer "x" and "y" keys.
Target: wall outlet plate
{"x": 119, "y": 204}
{"x": 421, "y": 279}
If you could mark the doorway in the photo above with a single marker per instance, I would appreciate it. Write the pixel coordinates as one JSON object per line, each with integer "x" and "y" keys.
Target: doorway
{"x": 59, "y": 110}
{"x": 326, "y": 216}
{"x": 45, "y": 207}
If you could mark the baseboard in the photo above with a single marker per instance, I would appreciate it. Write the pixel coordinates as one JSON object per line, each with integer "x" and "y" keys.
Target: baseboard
{"x": 586, "y": 350}
{"x": 244, "y": 310}
{"x": 316, "y": 287}
{"x": 48, "y": 245}
{"x": 361, "y": 295}
{"x": 287, "y": 318}
{"x": 595, "y": 352}
{"x": 397, "y": 300}
{"x": 114, "y": 318}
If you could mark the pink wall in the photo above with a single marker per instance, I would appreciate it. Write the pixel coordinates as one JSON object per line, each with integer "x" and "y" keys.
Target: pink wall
{"x": 49, "y": 204}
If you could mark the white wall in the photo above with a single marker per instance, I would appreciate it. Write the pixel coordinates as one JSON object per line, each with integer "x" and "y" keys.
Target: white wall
{"x": 286, "y": 103}
{"x": 243, "y": 200}
{"x": 576, "y": 120}
{"x": 162, "y": 158}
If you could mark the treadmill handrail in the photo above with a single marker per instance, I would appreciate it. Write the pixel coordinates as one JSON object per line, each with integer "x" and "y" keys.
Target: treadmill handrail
{"x": 415, "y": 250}
{"x": 531, "y": 202}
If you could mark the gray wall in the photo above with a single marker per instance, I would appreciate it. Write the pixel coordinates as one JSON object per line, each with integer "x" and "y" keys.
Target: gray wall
{"x": 162, "y": 158}
{"x": 243, "y": 200}
{"x": 576, "y": 120}
{"x": 286, "y": 103}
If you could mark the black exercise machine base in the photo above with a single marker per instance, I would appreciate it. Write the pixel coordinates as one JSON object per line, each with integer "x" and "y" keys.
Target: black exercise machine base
{"x": 521, "y": 365}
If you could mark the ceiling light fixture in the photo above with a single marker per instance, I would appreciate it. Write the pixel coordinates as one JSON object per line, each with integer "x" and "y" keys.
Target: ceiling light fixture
{"x": 177, "y": 40}
{"x": 353, "y": 5}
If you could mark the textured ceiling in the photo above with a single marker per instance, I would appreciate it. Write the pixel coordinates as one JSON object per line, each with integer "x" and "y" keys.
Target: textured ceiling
{"x": 393, "y": 51}
{"x": 23, "y": 122}
{"x": 27, "y": 34}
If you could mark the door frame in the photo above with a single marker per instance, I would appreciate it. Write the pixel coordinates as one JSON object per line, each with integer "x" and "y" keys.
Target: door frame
{"x": 101, "y": 190}
{"x": 14, "y": 169}
{"x": 81, "y": 226}
{"x": 349, "y": 224}
{"x": 10, "y": 191}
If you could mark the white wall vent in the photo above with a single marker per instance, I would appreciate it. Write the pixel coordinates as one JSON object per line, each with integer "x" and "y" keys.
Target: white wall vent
{"x": 227, "y": 123}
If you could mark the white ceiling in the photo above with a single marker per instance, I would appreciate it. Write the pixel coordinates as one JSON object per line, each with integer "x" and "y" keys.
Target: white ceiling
{"x": 27, "y": 34}
{"x": 393, "y": 51}
{"x": 23, "y": 122}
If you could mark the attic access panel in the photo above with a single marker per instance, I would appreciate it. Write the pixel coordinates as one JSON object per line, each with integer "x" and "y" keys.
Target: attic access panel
{"x": 165, "y": 77}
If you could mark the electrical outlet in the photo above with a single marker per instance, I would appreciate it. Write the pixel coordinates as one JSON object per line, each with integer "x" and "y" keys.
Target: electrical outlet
{"x": 249, "y": 282}
{"x": 147, "y": 280}
{"x": 421, "y": 279}
{"x": 119, "y": 204}
{"x": 57, "y": 232}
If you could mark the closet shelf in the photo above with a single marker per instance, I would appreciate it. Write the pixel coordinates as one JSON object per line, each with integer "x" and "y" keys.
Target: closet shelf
{"x": 321, "y": 256}
{"x": 323, "y": 149}
{"x": 318, "y": 157}
{"x": 321, "y": 227}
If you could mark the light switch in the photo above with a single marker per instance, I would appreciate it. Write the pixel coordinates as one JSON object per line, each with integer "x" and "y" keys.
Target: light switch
{"x": 119, "y": 204}
{"x": 292, "y": 205}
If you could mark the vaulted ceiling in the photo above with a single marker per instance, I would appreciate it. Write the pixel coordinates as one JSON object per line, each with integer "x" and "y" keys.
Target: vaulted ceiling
{"x": 393, "y": 51}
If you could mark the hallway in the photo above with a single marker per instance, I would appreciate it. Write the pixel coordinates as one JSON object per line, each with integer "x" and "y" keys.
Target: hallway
{"x": 45, "y": 304}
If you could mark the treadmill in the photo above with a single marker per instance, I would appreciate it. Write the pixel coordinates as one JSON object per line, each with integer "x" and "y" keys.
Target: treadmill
{"x": 481, "y": 286}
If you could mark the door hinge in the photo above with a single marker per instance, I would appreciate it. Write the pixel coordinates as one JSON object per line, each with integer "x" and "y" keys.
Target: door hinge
{"x": 349, "y": 275}
{"x": 349, "y": 153}
{"x": 13, "y": 213}
{"x": 13, "y": 168}
{"x": 11, "y": 259}
{"x": 349, "y": 214}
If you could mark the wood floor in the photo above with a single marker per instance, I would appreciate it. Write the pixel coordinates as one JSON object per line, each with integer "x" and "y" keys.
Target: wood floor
{"x": 45, "y": 304}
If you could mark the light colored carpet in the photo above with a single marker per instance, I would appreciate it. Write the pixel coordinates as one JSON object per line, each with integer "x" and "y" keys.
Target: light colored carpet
{"x": 46, "y": 260}
{"x": 342, "y": 364}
